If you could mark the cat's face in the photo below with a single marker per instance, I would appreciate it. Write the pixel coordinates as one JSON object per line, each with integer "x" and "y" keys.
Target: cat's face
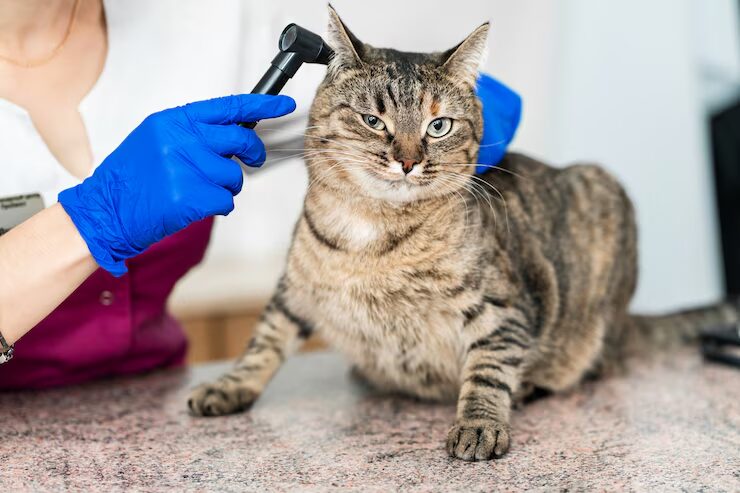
{"x": 400, "y": 126}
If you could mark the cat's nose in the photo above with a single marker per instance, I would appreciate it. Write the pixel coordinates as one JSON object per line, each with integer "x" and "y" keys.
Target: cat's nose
{"x": 407, "y": 165}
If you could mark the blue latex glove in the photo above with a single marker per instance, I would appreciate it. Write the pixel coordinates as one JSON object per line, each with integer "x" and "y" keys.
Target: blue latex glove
{"x": 172, "y": 170}
{"x": 502, "y": 109}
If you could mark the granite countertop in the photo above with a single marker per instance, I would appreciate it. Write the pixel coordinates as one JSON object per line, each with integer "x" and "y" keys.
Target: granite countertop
{"x": 670, "y": 424}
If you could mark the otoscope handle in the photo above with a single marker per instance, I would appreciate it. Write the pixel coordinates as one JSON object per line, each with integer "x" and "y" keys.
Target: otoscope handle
{"x": 270, "y": 83}
{"x": 282, "y": 68}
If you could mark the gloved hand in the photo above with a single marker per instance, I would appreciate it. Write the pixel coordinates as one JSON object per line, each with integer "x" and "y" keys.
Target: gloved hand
{"x": 172, "y": 170}
{"x": 502, "y": 109}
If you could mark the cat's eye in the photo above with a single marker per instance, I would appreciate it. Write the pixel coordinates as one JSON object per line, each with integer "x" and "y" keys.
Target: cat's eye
{"x": 439, "y": 127}
{"x": 373, "y": 122}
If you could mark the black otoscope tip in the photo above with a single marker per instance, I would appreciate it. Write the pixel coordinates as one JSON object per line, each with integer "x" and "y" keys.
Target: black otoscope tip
{"x": 297, "y": 46}
{"x": 308, "y": 45}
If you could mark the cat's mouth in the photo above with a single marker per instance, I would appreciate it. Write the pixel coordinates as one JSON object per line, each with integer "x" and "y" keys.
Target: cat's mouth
{"x": 399, "y": 181}
{"x": 383, "y": 183}
{"x": 394, "y": 178}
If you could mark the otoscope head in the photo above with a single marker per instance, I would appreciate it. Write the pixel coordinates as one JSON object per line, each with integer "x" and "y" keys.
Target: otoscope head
{"x": 309, "y": 46}
{"x": 297, "y": 46}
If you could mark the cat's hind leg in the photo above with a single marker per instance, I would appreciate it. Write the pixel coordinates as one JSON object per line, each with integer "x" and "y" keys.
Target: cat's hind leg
{"x": 277, "y": 335}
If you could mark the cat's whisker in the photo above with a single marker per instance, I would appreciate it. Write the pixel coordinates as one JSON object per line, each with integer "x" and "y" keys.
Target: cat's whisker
{"x": 337, "y": 162}
{"x": 480, "y": 191}
{"x": 313, "y": 160}
{"x": 324, "y": 174}
{"x": 466, "y": 176}
{"x": 304, "y": 148}
{"x": 465, "y": 203}
{"x": 284, "y": 158}
{"x": 489, "y": 166}
{"x": 451, "y": 188}
{"x": 305, "y": 151}
{"x": 449, "y": 179}
{"x": 480, "y": 182}
{"x": 356, "y": 152}
{"x": 309, "y": 136}
{"x": 503, "y": 200}
{"x": 475, "y": 190}
{"x": 322, "y": 179}
{"x": 494, "y": 144}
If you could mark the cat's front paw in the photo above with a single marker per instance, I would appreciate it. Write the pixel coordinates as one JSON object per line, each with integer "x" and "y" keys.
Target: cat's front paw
{"x": 478, "y": 439}
{"x": 221, "y": 397}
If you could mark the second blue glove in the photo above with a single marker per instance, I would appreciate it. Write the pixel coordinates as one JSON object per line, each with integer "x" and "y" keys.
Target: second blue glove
{"x": 502, "y": 110}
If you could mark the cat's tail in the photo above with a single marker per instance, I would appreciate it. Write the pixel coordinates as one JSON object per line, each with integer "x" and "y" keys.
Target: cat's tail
{"x": 673, "y": 329}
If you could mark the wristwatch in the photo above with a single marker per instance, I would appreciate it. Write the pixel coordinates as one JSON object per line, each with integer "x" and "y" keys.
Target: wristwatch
{"x": 6, "y": 350}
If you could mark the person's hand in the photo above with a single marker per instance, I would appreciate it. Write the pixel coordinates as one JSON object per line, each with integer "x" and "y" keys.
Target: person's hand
{"x": 172, "y": 170}
{"x": 502, "y": 109}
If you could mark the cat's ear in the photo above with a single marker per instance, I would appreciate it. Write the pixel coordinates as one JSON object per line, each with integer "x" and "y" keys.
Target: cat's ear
{"x": 463, "y": 61}
{"x": 348, "y": 50}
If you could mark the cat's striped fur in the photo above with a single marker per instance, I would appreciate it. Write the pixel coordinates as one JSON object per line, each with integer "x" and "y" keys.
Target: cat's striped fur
{"x": 436, "y": 283}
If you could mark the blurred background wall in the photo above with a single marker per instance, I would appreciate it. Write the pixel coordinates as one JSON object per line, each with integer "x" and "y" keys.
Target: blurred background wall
{"x": 628, "y": 84}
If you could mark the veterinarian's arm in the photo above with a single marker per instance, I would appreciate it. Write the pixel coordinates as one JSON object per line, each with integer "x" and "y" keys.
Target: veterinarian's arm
{"x": 45, "y": 254}
{"x": 172, "y": 170}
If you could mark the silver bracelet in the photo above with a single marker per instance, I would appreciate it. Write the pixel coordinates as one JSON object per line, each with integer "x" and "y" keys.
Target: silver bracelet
{"x": 6, "y": 350}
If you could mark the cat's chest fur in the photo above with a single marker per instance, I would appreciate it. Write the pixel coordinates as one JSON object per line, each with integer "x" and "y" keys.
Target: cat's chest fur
{"x": 389, "y": 313}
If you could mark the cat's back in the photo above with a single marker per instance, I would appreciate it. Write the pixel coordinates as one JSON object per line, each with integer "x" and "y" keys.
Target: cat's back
{"x": 572, "y": 229}
{"x": 582, "y": 195}
{"x": 531, "y": 178}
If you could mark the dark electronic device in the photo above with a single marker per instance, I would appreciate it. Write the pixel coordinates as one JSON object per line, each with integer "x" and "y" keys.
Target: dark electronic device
{"x": 297, "y": 46}
{"x": 722, "y": 345}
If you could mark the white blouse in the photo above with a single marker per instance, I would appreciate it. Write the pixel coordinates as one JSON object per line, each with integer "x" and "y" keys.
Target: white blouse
{"x": 161, "y": 54}
{"x": 165, "y": 53}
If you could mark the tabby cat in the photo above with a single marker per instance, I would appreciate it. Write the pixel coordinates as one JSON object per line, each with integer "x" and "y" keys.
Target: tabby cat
{"x": 435, "y": 282}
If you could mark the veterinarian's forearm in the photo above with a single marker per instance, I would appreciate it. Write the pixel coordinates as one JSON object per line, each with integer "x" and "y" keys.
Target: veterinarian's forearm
{"x": 42, "y": 261}
{"x": 96, "y": 223}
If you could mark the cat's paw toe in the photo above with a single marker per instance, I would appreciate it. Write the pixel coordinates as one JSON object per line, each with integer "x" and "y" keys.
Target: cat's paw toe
{"x": 220, "y": 398}
{"x": 477, "y": 440}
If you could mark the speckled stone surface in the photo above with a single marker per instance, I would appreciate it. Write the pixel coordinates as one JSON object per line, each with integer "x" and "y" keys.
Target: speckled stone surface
{"x": 670, "y": 424}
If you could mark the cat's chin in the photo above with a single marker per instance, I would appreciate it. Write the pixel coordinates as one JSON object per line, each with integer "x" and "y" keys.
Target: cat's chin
{"x": 394, "y": 190}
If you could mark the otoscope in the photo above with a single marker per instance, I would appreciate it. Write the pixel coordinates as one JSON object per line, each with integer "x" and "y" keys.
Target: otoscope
{"x": 297, "y": 46}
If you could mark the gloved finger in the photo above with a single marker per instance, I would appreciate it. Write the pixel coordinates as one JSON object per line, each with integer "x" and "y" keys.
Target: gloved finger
{"x": 239, "y": 108}
{"x": 228, "y": 140}
{"x": 219, "y": 170}
{"x": 219, "y": 201}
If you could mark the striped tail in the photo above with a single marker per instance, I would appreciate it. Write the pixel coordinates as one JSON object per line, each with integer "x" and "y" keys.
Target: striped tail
{"x": 673, "y": 329}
